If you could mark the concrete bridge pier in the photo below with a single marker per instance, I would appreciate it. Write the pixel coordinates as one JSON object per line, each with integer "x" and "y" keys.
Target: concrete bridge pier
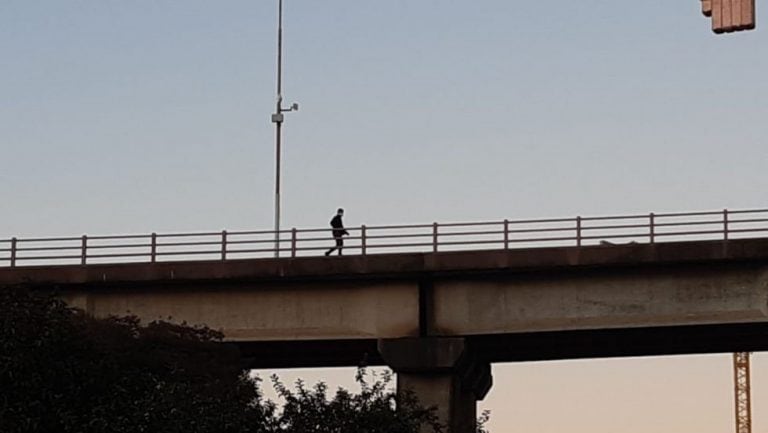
{"x": 442, "y": 373}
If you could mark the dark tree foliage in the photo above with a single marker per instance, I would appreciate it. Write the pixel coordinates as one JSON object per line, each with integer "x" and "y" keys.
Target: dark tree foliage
{"x": 310, "y": 410}
{"x": 375, "y": 409}
{"x": 62, "y": 371}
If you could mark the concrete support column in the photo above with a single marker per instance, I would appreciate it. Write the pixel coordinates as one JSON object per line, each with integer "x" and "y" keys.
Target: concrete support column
{"x": 442, "y": 373}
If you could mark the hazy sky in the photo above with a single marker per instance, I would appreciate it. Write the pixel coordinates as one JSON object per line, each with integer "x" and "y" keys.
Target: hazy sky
{"x": 153, "y": 115}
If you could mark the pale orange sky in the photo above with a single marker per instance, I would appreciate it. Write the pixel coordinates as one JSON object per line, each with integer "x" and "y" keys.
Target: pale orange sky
{"x": 680, "y": 394}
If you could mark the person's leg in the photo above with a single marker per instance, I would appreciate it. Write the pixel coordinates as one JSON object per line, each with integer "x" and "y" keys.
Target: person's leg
{"x": 339, "y": 244}
{"x": 337, "y": 238}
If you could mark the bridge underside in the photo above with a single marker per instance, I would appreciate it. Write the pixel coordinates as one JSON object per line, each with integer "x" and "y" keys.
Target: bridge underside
{"x": 521, "y": 347}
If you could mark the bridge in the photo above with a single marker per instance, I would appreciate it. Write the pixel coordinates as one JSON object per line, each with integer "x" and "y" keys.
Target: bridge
{"x": 436, "y": 302}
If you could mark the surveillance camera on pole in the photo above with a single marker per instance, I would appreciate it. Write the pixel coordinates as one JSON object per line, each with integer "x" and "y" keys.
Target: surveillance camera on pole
{"x": 278, "y": 116}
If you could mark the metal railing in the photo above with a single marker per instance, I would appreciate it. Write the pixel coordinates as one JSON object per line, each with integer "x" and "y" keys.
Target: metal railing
{"x": 507, "y": 234}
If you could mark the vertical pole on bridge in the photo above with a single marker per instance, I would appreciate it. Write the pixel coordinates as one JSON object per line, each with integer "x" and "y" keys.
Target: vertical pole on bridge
{"x": 434, "y": 237}
{"x": 153, "y": 249}
{"x": 652, "y": 226}
{"x": 293, "y": 242}
{"x": 277, "y": 119}
{"x": 578, "y": 231}
{"x": 725, "y": 224}
{"x": 363, "y": 240}
{"x": 84, "y": 250}
{"x": 14, "y": 241}
{"x": 223, "y": 245}
{"x": 506, "y": 234}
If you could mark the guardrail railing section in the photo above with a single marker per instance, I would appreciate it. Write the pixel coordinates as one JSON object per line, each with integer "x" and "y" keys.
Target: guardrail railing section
{"x": 365, "y": 240}
{"x": 7, "y": 248}
{"x": 744, "y": 224}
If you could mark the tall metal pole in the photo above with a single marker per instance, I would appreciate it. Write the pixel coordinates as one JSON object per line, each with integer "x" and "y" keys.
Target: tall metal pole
{"x": 278, "y": 119}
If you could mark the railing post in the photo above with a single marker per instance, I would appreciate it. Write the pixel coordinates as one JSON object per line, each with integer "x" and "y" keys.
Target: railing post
{"x": 223, "y": 245}
{"x": 153, "y": 250}
{"x": 14, "y": 241}
{"x": 506, "y": 234}
{"x": 434, "y": 237}
{"x": 652, "y": 226}
{"x": 363, "y": 240}
{"x": 293, "y": 242}
{"x": 725, "y": 224}
{"x": 84, "y": 250}
{"x": 578, "y": 231}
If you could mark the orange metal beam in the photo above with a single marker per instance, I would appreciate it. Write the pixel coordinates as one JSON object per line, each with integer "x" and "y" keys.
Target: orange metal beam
{"x": 742, "y": 392}
{"x": 730, "y": 15}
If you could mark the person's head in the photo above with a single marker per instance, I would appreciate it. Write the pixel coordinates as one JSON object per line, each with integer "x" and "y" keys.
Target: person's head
{"x": 340, "y": 211}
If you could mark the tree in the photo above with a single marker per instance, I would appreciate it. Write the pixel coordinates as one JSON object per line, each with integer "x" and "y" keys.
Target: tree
{"x": 376, "y": 409}
{"x": 63, "y": 371}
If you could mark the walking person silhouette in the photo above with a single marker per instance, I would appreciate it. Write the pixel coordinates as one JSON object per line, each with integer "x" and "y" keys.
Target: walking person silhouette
{"x": 337, "y": 228}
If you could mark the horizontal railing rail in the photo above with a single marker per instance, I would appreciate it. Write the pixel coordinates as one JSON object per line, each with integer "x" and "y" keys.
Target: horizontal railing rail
{"x": 365, "y": 240}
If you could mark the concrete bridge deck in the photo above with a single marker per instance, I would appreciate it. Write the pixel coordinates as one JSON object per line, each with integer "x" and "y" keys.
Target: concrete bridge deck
{"x": 509, "y": 305}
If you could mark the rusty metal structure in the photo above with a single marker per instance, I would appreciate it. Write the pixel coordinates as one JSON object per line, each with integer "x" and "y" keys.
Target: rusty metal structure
{"x": 365, "y": 240}
{"x": 742, "y": 392}
{"x": 730, "y": 15}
